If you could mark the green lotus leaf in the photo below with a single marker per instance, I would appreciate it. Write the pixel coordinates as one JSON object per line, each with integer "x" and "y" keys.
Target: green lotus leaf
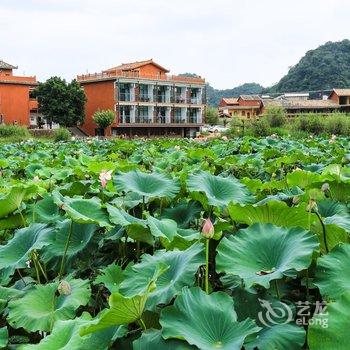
{"x": 130, "y": 200}
{"x": 140, "y": 233}
{"x": 165, "y": 228}
{"x": 11, "y": 222}
{"x": 45, "y": 211}
{"x": 274, "y": 212}
{"x": 183, "y": 213}
{"x": 183, "y": 239}
{"x": 4, "y": 336}
{"x": 148, "y": 185}
{"x": 330, "y": 328}
{"x": 333, "y": 270}
{"x": 40, "y": 307}
{"x": 219, "y": 190}
{"x": 152, "y": 340}
{"x": 6, "y": 294}
{"x": 206, "y": 321}
{"x": 12, "y": 201}
{"x": 283, "y": 196}
{"x": 16, "y": 252}
{"x": 120, "y": 217}
{"x": 122, "y": 310}
{"x": 279, "y": 331}
{"x": 334, "y": 213}
{"x": 183, "y": 266}
{"x": 83, "y": 211}
{"x": 81, "y": 235}
{"x": 65, "y": 336}
{"x": 278, "y": 337}
{"x": 111, "y": 276}
{"x": 264, "y": 252}
{"x": 302, "y": 179}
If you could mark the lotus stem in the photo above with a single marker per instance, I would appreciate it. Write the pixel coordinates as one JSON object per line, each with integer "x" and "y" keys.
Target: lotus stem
{"x": 22, "y": 217}
{"x": 307, "y": 285}
{"x": 143, "y": 324}
{"x": 323, "y": 232}
{"x": 36, "y": 259}
{"x": 277, "y": 290}
{"x": 36, "y": 271}
{"x": 65, "y": 251}
{"x": 207, "y": 266}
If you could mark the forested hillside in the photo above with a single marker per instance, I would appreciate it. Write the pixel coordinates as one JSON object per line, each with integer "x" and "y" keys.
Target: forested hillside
{"x": 324, "y": 68}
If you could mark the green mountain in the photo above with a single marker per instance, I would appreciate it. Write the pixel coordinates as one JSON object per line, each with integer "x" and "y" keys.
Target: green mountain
{"x": 324, "y": 68}
{"x": 214, "y": 95}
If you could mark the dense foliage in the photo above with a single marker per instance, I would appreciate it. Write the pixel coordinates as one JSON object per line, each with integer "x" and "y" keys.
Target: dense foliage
{"x": 104, "y": 118}
{"x": 324, "y": 68}
{"x": 61, "y": 102}
{"x": 215, "y": 95}
{"x": 103, "y": 244}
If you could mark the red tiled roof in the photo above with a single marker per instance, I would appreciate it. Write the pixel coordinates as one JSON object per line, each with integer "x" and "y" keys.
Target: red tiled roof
{"x": 230, "y": 100}
{"x": 341, "y": 92}
{"x": 135, "y": 65}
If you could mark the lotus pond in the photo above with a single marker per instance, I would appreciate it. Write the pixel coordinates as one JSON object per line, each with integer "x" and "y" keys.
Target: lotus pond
{"x": 175, "y": 244}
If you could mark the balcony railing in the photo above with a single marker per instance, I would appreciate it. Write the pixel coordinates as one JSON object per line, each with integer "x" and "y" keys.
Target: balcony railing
{"x": 125, "y": 119}
{"x": 124, "y": 96}
{"x": 144, "y": 98}
{"x": 127, "y": 74}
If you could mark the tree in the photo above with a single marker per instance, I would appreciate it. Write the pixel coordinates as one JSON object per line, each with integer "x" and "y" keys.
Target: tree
{"x": 61, "y": 102}
{"x": 104, "y": 118}
{"x": 211, "y": 116}
{"x": 276, "y": 116}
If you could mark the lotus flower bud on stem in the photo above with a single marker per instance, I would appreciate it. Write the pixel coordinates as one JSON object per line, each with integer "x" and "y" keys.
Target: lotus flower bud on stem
{"x": 312, "y": 205}
{"x": 296, "y": 200}
{"x": 325, "y": 187}
{"x": 64, "y": 288}
{"x": 208, "y": 229}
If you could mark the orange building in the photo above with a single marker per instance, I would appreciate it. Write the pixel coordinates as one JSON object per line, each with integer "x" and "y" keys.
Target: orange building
{"x": 245, "y": 106}
{"x": 146, "y": 100}
{"x": 16, "y": 106}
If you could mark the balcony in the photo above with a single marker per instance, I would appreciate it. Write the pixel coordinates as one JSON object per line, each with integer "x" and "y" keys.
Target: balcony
{"x": 124, "y": 96}
{"x": 125, "y": 119}
{"x": 161, "y": 98}
{"x": 143, "y": 120}
{"x": 145, "y": 98}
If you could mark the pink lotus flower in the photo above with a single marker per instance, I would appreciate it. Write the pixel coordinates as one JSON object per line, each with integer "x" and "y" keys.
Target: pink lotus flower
{"x": 208, "y": 229}
{"x": 104, "y": 177}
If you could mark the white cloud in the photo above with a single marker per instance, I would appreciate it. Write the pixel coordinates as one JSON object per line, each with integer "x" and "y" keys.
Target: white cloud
{"x": 227, "y": 42}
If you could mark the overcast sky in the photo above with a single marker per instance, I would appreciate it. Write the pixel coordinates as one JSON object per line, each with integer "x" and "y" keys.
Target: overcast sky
{"x": 226, "y": 42}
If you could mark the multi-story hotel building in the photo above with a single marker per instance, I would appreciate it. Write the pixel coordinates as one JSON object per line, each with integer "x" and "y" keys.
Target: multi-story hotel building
{"x": 16, "y": 104}
{"x": 146, "y": 100}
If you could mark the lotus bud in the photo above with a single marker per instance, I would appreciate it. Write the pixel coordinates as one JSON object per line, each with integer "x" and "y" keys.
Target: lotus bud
{"x": 224, "y": 138}
{"x": 295, "y": 200}
{"x": 36, "y": 179}
{"x": 177, "y": 148}
{"x": 208, "y": 229}
{"x": 312, "y": 205}
{"x": 64, "y": 288}
{"x": 325, "y": 187}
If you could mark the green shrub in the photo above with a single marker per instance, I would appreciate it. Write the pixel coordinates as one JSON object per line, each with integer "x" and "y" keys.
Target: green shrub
{"x": 104, "y": 118}
{"x": 61, "y": 134}
{"x": 311, "y": 123}
{"x": 338, "y": 124}
{"x": 13, "y": 131}
{"x": 276, "y": 116}
{"x": 261, "y": 127}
